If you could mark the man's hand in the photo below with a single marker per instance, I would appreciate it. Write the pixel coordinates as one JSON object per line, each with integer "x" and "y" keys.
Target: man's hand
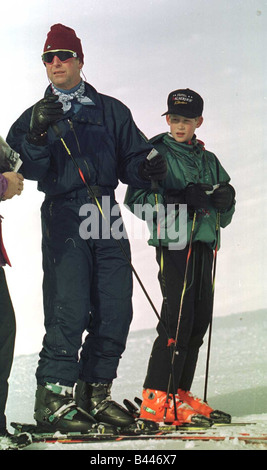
{"x": 44, "y": 113}
{"x": 15, "y": 185}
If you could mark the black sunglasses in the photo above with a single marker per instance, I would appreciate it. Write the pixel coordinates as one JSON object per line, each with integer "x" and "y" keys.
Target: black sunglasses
{"x": 62, "y": 54}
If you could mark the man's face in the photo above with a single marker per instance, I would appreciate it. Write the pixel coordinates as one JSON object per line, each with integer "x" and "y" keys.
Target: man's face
{"x": 64, "y": 75}
{"x": 183, "y": 128}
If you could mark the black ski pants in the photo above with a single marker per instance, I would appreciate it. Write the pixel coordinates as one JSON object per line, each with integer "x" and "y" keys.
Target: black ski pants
{"x": 195, "y": 318}
{"x": 87, "y": 288}
{"x": 7, "y": 343}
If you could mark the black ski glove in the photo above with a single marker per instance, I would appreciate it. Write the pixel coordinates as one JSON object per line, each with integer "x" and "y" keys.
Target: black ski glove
{"x": 44, "y": 113}
{"x": 174, "y": 196}
{"x": 223, "y": 197}
{"x": 196, "y": 197}
{"x": 154, "y": 169}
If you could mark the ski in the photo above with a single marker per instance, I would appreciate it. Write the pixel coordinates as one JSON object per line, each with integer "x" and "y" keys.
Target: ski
{"x": 155, "y": 429}
{"x": 180, "y": 435}
{"x": 83, "y": 439}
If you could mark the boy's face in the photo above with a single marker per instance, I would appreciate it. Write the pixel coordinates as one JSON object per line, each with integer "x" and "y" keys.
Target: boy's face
{"x": 183, "y": 128}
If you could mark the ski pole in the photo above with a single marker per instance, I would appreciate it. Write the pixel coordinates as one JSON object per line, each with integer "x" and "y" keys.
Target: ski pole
{"x": 170, "y": 344}
{"x": 171, "y": 341}
{"x": 92, "y": 194}
{"x": 211, "y": 320}
{"x": 182, "y": 299}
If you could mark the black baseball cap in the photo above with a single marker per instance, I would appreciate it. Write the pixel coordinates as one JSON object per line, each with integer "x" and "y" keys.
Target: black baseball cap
{"x": 186, "y": 103}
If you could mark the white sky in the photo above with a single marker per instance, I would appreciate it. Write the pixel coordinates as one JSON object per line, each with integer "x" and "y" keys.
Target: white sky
{"x": 138, "y": 52}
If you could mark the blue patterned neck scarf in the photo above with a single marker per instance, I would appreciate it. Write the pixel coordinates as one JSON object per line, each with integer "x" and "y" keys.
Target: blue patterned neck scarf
{"x": 67, "y": 96}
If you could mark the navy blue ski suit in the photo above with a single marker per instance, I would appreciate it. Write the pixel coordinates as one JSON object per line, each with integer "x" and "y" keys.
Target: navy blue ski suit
{"x": 87, "y": 282}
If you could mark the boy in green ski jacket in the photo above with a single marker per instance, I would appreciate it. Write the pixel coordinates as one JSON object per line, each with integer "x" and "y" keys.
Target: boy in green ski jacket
{"x": 183, "y": 214}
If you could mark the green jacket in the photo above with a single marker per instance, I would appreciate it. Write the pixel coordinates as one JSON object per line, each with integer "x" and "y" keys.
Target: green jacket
{"x": 187, "y": 163}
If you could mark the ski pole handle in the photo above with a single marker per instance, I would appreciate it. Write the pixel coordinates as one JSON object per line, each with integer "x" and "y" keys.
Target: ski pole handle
{"x": 56, "y": 130}
{"x": 154, "y": 185}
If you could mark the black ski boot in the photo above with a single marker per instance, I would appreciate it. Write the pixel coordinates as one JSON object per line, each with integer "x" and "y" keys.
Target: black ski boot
{"x": 96, "y": 400}
{"x": 56, "y": 410}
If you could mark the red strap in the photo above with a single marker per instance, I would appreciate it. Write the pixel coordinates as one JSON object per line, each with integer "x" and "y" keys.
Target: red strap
{"x": 201, "y": 143}
{"x": 2, "y": 248}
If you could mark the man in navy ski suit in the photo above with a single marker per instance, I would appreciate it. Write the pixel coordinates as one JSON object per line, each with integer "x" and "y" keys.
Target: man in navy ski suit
{"x": 87, "y": 281}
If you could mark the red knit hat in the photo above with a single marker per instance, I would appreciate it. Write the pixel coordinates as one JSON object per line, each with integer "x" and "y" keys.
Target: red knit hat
{"x": 62, "y": 37}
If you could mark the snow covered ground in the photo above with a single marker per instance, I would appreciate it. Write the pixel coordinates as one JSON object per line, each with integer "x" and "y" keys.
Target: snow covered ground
{"x": 237, "y": 384}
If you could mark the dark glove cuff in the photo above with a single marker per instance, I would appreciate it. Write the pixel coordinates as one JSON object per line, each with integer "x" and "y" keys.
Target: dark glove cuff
{"x": 142, "y": 172}
{"x": 36, "y": 139}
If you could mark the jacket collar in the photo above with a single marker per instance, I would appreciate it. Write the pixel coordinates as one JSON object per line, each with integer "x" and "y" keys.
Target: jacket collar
{"x": 87, "y": 114}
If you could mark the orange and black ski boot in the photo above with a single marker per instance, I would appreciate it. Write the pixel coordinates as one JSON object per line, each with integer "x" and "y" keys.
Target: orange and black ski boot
{"x": 203, "y": 408}
{"x": 156, "y": 407}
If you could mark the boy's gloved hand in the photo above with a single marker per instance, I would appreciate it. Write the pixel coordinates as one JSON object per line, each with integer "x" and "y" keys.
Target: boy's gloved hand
{"x": 223, "y": 197}
{"x": 154, "y": 169}
{"x": 45, "y": 112}
{"x": 194, "y": 195}
{"x": 174, "y": 196}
